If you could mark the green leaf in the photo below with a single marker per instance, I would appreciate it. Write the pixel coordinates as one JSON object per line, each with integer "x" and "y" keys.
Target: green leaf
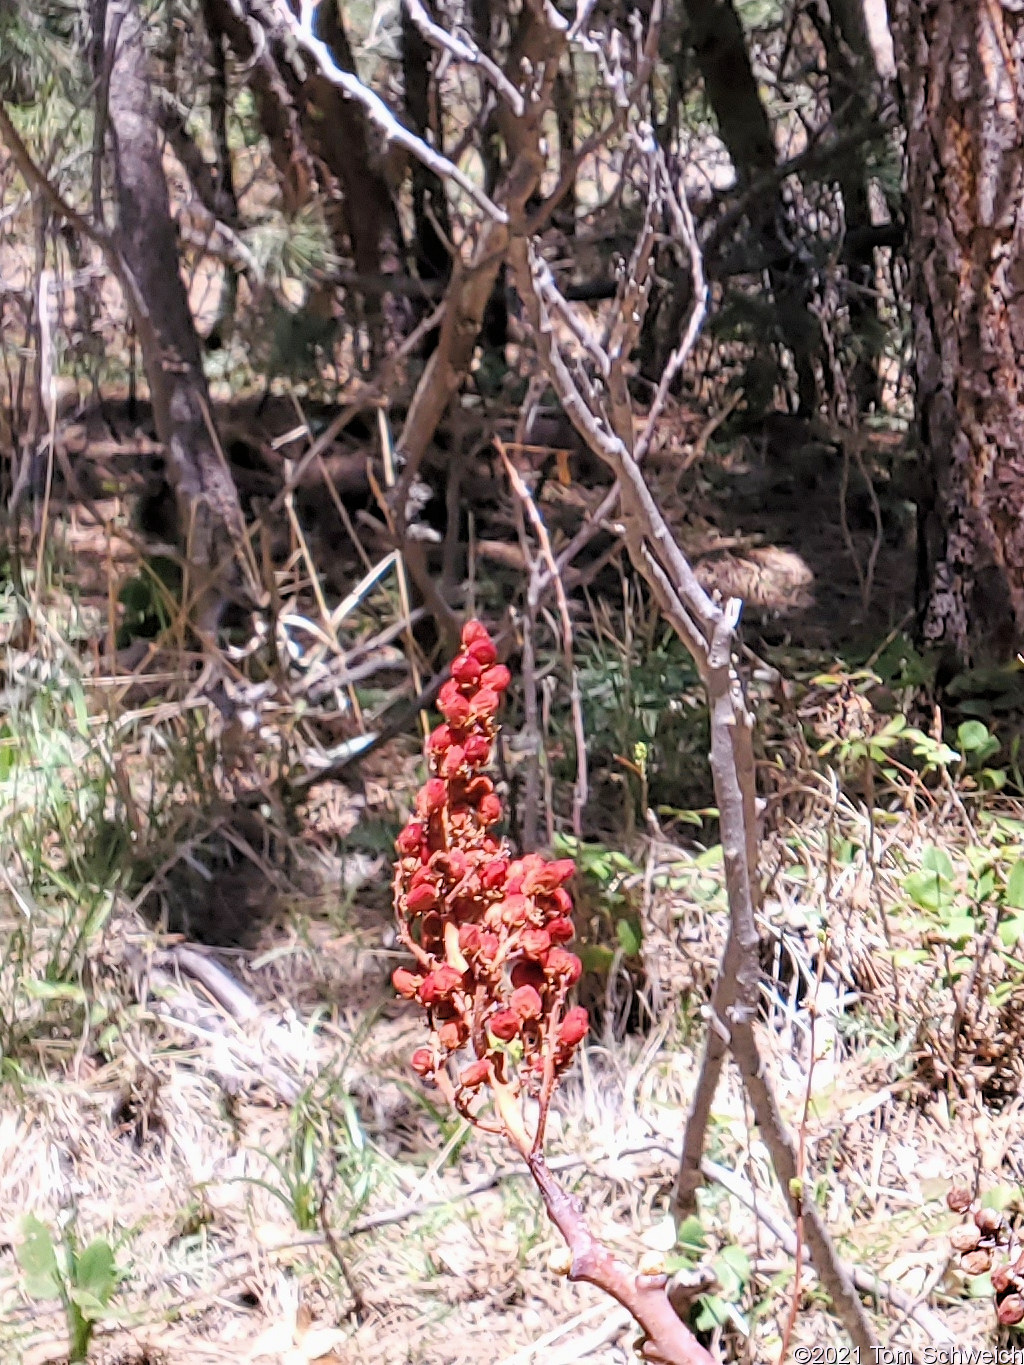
{"x": 730, "y": 1281}
{"x": 738, "y": 1262}
{"x": 1013, "y": 896}
{"x": 87, "y": 1304}
{"x": 596, "y": 958}
{"x": 691, "y": 1235}
{"x": 95, "y": 1271}
{"x": 937, "y": 860}
{"x": 1011, "y": 931}
{"x": 54, "y": 990}
{"x": 972, "y": 734}
{"x": 985, "y": 885}
{"x": 685, "y": 817}
{"x": 38, "y": 1260}
{"x": 909, "y": 957}
{"x": 630, "y": 935}
{"x": 711, "y": 857}
{"x": 959, "y": 927}
{"x": 896, "y": 726}
{"x": 713, "y": 1313}
{"x": 928, "y": 891}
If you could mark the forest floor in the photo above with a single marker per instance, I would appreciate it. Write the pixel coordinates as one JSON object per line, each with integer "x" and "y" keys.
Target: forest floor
{"x": 239, "y": 1124}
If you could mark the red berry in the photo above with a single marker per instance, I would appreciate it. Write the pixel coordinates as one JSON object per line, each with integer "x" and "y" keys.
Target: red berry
{"x": 447, "y": 980}
{"x": 478, "y": 750}
{"x": 496, "y": 678}
{"x": 1002, "y": 1277}
{"x": 410, "y": 841}
{"x": 483, "y": 651}
{"x": 448, "y": 863}
{"x": 453, "y": 761}
{"x": 489, "y": 810}
{"x": 1011, "y": 1310}
{"x": 422, "y": 1062}
{"x": 466, "y": 670}
{"x": 561, "y": 930}
{"x": 959, "y": 1199}
{"x": 469, "y": 937}
{"x": 493, "y": 874}
{"x": 976, "y": 1262}
{"x": 421, "y": 898}
{"x": 513, "y": 911}
{"x": 427, "y": 992}
{"x": 448, "y": 690}
{"x": 475, "y": 1074}
{"x": 406, "y": 983}
{"x": 472, "y": 631}
{"x": 526, "y": 1002}
{"x": 504, "y": 1025}
{"x": 439, "y": 740}
{"x": 456, "y": 710}
{"x": 452, "y": 1035}
{"x": 485, "y": 703}
{"x": 547, "y": 879}
{"x": 575, "y": 1027}
{"x": 560, "y": 963}
{"x": 536, "y": 942}
{"x": 560, "y": 900}
{"x": 432, "y": 796}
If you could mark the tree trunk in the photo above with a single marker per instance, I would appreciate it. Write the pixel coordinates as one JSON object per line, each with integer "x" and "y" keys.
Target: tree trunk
{"x": 853, "y": 86}
{"x": 211, "y": 524}
{"x": 275, "y": 105}
{"x": 716, "y": 36}
{"x": 336, "y": 128}
{"x": 960, "y": 70}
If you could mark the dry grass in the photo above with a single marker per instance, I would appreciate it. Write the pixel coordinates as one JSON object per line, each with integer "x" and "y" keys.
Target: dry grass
{"x": 160, "y": 1132}
{"x": 276, "y": 1184}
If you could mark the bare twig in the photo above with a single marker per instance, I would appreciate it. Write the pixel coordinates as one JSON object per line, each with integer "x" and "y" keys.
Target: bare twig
{"x": 464, "y": 50}
{"x": 579, "y": 799}
{"x": 302, "y": 33}
{"x": 708, "y": 631}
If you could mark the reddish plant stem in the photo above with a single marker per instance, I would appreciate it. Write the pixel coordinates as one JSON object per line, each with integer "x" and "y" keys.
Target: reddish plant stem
{"x": 667, "y": 1340}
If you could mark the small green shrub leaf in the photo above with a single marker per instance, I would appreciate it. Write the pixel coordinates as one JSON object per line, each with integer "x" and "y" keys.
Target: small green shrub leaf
{"x": 937, "y": 860}
{"x": 95, "y": 1272}
{"x": 1014, "y": 894}
{"x": 38, "y": 1260}
{"x": 630, "y": 935}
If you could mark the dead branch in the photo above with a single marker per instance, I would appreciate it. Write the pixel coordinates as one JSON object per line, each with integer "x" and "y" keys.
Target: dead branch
{"x": 301, "y": 32}
{"x": 708, "y": 631}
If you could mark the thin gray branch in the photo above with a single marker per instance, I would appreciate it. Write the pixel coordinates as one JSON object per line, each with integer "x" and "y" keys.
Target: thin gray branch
{"x": 378, "y": 111}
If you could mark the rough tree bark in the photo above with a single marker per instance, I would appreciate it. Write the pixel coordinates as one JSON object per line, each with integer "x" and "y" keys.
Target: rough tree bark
{"x": 961, "y": 73}
{"x": 212, "y": 526}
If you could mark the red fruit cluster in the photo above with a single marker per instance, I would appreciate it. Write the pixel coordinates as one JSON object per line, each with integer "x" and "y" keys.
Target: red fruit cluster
{"x": 488, "y": 931}
{"x": 978, "y": 1242}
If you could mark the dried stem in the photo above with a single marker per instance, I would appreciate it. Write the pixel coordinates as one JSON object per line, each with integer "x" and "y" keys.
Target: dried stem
{"x": 579, "y": 797}
{"x": 708, "y": 631}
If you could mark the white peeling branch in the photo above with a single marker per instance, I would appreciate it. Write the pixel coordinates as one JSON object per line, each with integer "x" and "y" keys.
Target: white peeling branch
{"x": 556, "y": 305}
{"x": 706, "y": 615}
{"x": 679, "y": 210}
{"x": 464, "y": 50}
{"x": 378, "y": 111}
